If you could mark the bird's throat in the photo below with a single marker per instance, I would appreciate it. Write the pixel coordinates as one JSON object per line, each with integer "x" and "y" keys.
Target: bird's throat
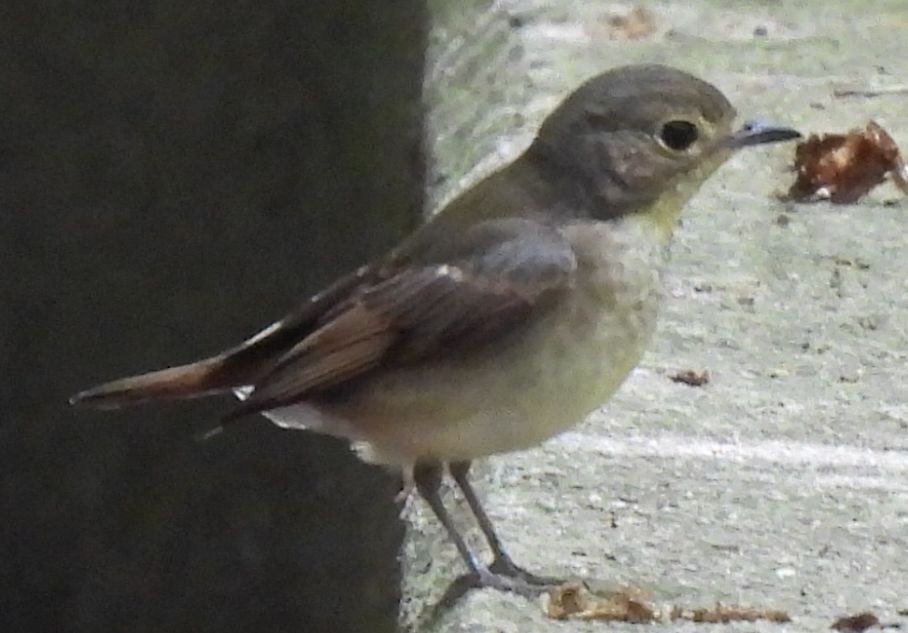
{"x": 665, "y": 212}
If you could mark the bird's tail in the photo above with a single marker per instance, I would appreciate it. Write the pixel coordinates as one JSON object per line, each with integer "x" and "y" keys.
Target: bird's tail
{"x": 205, "y": 377}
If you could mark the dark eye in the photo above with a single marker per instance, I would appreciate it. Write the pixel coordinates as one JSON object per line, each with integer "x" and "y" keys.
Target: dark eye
{"x": 678, "y": 135}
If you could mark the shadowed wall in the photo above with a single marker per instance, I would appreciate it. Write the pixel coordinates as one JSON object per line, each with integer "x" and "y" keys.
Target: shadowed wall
{"x": 173, "y": 176}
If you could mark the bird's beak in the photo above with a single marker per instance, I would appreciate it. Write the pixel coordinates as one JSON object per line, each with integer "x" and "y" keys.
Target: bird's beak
{"x": 759, "y": 132}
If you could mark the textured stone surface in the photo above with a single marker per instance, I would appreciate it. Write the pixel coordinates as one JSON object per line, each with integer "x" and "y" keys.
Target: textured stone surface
{"x": 783, "y": 483}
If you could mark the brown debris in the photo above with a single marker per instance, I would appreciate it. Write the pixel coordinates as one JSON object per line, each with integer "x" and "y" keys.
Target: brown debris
{"x": 566, "y": 600}
{"x": 723, "y": 614}
{"x": 862, "y": 91}
{"x": 691, "y": 377}
{"x": 638, "y": 23}
{"x": 844, "y": 167}
{"x": 856, "y": 623}
{"x": 574, "y": 601}
{"x": 619, "y": 608}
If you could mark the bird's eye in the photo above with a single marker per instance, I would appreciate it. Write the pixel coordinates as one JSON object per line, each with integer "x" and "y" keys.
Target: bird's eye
{"x": 678, "y": 135}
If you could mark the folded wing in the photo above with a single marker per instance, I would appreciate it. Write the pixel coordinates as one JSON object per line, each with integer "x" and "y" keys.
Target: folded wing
{"x": 431, "y": 299}
{"x": 426, "y": 305}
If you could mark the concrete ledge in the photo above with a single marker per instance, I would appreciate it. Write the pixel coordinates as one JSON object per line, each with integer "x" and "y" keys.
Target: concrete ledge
{"x": 783, "y": 483}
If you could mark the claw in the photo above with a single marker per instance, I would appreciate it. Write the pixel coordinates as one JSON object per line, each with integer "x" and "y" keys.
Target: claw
{"x": 485, "y": 578}
{"x": 504, "y": 566}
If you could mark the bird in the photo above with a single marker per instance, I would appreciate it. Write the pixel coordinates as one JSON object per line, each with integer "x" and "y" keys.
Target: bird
{"x": 507, "y": 317}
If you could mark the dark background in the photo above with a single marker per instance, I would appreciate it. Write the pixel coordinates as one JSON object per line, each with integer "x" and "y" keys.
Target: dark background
{"x": 173, "y": 176}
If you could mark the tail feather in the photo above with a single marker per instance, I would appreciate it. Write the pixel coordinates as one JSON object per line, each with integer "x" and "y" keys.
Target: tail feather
{"x": 195, "y": 380}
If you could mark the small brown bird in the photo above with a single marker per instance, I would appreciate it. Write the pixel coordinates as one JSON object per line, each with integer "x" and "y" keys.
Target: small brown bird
{"x": 510, "y": 315}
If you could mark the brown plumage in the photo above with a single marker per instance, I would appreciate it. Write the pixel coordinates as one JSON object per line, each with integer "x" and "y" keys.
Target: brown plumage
{"x": 387, "y": 315}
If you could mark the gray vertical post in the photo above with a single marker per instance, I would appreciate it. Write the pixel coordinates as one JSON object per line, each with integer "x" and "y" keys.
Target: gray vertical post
{"x": 173, "y": 176}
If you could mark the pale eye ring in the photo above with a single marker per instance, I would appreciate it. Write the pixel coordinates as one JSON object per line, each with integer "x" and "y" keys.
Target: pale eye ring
{"x": 678, "y": 135}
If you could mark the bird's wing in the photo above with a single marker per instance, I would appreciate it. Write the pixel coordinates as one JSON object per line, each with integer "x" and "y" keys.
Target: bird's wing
{"x": 425, "y": 299}
{"x": 427, "y": 303}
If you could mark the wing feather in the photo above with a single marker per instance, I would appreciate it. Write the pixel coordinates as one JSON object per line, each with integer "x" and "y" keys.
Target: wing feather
{"x": 451, "y": 302}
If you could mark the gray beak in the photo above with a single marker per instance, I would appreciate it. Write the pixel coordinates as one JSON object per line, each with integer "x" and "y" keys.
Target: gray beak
{"x": 759, "y": 132}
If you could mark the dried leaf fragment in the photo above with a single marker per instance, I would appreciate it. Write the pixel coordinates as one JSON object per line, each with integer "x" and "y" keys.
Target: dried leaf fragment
{"x": 690, "y": 377}
{"x": 566, "y": 600}
{"x": 574, "y": 600}
{"x": 638, "y": 23}
{"x": 856, "y": 623}
{"x": 865, "y": 91}
{"x": 844, "y": 167}
{"x": 724, "y": 614}
{"x": 619, "y": 608}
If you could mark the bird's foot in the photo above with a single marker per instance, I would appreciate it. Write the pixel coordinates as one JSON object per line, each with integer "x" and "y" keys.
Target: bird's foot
{"x": 486, "y": 579}
{"x": 504, "y": 566}
{"x": 504, "y": 575}
{"x": 501, "y": 576}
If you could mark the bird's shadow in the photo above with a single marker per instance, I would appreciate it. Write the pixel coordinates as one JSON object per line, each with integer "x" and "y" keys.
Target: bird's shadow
{"x": 456, "y": 590}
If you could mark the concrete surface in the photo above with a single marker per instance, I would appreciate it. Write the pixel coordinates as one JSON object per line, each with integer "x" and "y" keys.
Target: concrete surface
{"x": 783, "y": 483}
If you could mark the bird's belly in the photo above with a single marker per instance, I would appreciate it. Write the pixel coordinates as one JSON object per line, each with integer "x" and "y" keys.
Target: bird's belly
{"x": 523, "y": 390}
{"x": 528, "y": 395}
{"x": 543, "y": 382}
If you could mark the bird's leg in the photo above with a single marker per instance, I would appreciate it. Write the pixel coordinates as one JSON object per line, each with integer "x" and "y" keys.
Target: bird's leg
{"x": 427, "y": 477}
{"x": 502, "y": 563}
